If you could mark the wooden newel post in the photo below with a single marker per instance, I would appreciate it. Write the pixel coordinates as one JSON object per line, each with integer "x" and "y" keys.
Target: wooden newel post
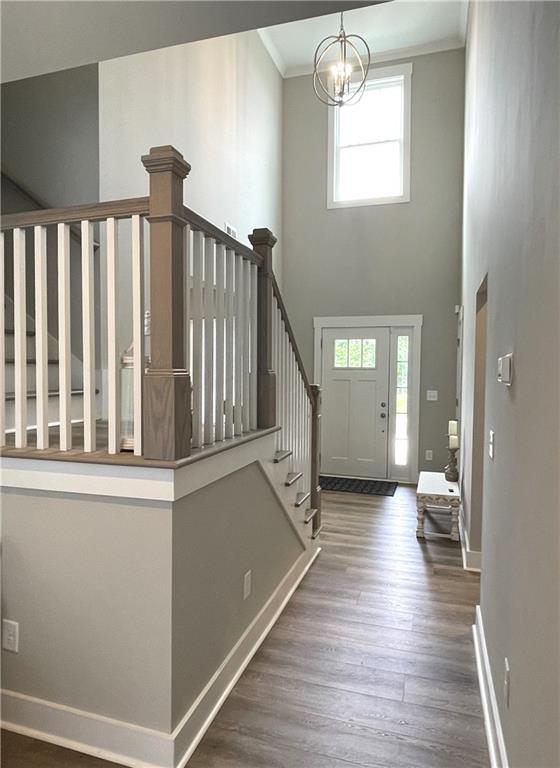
{"x": 263, "y": 242}
{"x": 316, "y": 456}
{"x": 167, "y": 385}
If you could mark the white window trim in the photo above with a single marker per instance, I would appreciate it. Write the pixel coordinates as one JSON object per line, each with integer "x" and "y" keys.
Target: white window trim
{"x": 377, "y": 73}
{"x": 413, "y": 323}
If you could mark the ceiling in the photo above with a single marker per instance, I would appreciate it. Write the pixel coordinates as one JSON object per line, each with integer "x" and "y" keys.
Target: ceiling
{"x": 41, "y": 36}
{"x": 392, "y": 30}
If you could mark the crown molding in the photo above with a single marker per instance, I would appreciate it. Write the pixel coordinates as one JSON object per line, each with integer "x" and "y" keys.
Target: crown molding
{"x": 273, "y": 51}
{"x": 449, "y": 44}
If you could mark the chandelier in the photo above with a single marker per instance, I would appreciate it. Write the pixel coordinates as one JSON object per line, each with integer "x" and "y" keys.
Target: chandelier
{"x": 334, "y": 87}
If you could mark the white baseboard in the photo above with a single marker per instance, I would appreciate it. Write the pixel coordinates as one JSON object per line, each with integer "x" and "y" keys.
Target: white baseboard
{"x": 492, "y": 722}
{"x": 471, "y": 558}
{"x": 136, "y": 746}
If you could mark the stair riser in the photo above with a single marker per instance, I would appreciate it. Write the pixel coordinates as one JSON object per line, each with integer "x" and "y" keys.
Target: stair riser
{"x": 76, "y": 410}
{"x": 76, "y": 379}
{"x": 52, "y": 347}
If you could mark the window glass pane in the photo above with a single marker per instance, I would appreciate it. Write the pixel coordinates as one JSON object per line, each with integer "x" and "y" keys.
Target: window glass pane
{"x": 378, "y": 116}
{"x": 368, "y": 353}
{"x": 369, "y": 171}
{"x": 401, "y": 453}
{"x": 402, "y": 348}
{"x": 355, "y": 353}
{"x": 401, "y": 427}
{"x": 402, "y": 375}
{"x": 402, "y": 400}
{"x": 341, "y": 353}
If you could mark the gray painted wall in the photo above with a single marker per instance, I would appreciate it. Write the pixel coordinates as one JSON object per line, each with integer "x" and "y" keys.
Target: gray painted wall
{"x": 389, "y": 259}
{"x": 89, "y": 581}
{"x": 50, "y": 142}
{"x": 128, "y": 608}
{"x": 219, "y": 533}
{"x": 220, "y": 103}
{"x": 511, "y": 234}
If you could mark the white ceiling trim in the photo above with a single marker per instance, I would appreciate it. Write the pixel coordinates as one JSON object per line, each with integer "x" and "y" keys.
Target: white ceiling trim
{"x": 399, "y": 53}
{"x": 273, "y": 51}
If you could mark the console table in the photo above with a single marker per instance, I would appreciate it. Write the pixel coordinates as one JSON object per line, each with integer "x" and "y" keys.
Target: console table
{"x": 435, "y": 491}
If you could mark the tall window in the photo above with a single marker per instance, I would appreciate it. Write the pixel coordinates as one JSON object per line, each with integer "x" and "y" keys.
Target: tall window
{"x": 369, "y": 143}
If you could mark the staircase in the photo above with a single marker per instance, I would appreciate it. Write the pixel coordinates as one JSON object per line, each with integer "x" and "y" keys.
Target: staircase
{"x": 223, "y": 363}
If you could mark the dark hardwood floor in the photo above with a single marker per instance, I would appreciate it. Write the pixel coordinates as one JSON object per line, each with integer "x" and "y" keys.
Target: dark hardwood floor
{"x": 371, "y": 664}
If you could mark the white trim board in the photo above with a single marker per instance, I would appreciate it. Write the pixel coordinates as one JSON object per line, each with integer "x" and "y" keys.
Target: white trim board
{"x": 140, "y": 747}
{"x": 132, "y": 482}
{"x": 471, "y": 558}
{"x": 413, "y": 322}
{"x": 492, "y": 722}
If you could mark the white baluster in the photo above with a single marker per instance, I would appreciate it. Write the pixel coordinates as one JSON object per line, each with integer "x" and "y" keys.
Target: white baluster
{"x": 113, "y": 365}
{"x": 2, "y": 347}
{"x": 64, "y": 351}
{"x": 246, "y": 417}
{"x": 239, "y": 313}
{"x": 197, "y": 377}
{"x": 138, "y": 326}
{"x": 230, "y": 343}
{"x": 88, "y": 336}
{"x": 209, "y": 248}
{"x": 20, "y": 339}
{"x": 253, "y": 346}
{"x": 187, "y": 250}
{"x": 220, "y": 314}
{"x": 41, "y": 339}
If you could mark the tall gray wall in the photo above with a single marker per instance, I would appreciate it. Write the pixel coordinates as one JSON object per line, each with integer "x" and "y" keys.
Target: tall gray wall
{"x": 511, "y": 234}
{"x": 386, "y": 259}
{"x": 50, "y": 142}
{"x": 220, "y": 103}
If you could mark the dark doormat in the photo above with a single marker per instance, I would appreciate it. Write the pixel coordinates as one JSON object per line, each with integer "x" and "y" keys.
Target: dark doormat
{"x": 355, "y": 485}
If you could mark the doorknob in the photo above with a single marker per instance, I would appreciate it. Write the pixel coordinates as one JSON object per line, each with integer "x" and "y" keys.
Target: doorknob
{"x": 383, "y": 405}
{"x": 383, "y": 415}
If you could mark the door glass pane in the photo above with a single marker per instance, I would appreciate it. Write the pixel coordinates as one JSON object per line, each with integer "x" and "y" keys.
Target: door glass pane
{"x": 402, "y": 349}
{"x": 402, "y": 400}
{"x": 341, "y": 353}
{"x": 402, "y": 375}
{"x": 368, "y": 353}
{"x": 355, "y": 353}
{"x": 401, "y": 453}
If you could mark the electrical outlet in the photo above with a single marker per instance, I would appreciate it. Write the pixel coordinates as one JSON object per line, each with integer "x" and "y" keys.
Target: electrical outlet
{"x": 506, "y": 682}
{"x": 432, "y": 395}
{"x": 429, "y": 455}
{"x": 10, "y": 635}
{"x": 247, "y": 585}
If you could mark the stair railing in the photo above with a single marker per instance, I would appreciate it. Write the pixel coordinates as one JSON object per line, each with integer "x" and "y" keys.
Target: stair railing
{"x": 223, "y": 357}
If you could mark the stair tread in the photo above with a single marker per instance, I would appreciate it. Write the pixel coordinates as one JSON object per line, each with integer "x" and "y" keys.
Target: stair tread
{"x": 309, "y": 515}
{"x": 281, "y": 455}
{"x": 29, "y": 361}
{"x": 292, "y": 477}
{"x": 302, "y": 497}
{"x": 51, "y": 393}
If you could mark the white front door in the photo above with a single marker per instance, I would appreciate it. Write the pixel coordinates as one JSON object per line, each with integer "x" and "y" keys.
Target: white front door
{"x": 355, "y": 381}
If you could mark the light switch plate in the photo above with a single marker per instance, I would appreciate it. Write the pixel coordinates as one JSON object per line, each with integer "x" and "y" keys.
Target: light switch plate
{"x": 432, "y": 394}
{"x": 491, "y": 444}
{"x": 247, "y": 586}
{"x": 505, "y": 369}
{"x": 429, "y": 455}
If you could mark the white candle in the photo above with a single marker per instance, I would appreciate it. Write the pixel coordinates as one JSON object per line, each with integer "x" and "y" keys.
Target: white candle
{"x": 453, "y": 441}
{"x": 452, "y": 427}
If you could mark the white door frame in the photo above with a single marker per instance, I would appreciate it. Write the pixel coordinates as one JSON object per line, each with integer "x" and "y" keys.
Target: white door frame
{"x": 383, "y": 321}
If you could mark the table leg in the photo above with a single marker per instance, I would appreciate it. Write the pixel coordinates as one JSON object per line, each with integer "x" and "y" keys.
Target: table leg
{"x": 420, "y": 509}
{"x": 455, "y": 521}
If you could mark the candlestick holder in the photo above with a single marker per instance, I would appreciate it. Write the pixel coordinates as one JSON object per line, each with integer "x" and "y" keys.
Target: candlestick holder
{"x": 451, "y": 471}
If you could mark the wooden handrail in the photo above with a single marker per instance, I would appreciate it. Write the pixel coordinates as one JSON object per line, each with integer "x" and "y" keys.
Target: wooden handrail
{"x": 118, "y": 209}
{"x": 200, "y": 224}
{"x": 292, "y": 338}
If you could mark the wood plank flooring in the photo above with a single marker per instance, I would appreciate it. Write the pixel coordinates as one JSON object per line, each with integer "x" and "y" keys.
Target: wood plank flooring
{"x": 371, "y": 664}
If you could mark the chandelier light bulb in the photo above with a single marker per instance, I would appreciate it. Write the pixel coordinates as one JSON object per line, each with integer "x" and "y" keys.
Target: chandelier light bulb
{"x": 334, "y": 86}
